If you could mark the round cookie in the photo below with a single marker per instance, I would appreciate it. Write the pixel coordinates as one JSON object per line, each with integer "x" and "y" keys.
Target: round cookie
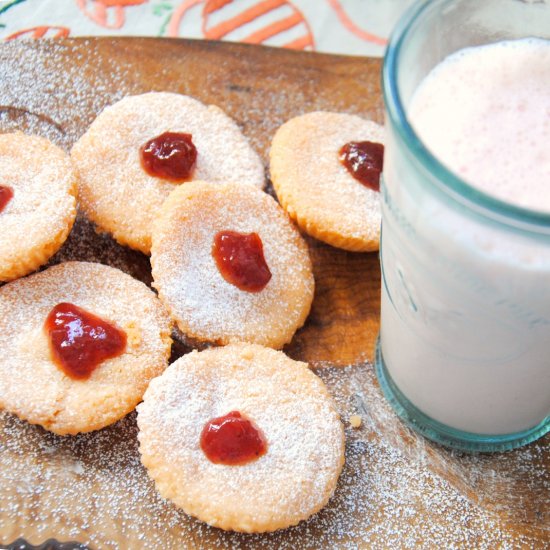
{"x": 34, "y": 388}
{"x": 116, "y": 192}
{"x": 316, "y": 189}
{"x": 289, "y": 404}
{"x": 38, "y": 217}
{"x": 204, "y": 304}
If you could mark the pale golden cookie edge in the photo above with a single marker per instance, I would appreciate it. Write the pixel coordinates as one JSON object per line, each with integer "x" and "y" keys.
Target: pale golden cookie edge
{"x": 160, "y": 471}
{"x": 52, "y": 416}
{"x": 313, "y": 223}
{"x": 162, "y": 226}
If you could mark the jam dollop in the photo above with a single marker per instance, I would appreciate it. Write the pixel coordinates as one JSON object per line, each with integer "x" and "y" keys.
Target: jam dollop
{"x": 80, "y": 341}
{"x": 170, "y": 156}
{"x": 364, "y": 161}
{"x": 232, "y": 440}
{"x": 240, "y": 260}
{"x": 6, "y": 194}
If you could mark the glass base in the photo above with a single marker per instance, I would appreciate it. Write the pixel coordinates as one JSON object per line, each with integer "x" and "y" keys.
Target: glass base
{"x": 445, "y": 435}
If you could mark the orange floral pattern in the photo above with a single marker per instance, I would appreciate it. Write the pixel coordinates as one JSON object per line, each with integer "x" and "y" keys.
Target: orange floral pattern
{"x": 229, "y": 21}
{"x": 339, "y": 26}
{"x": 107, "y": 13}
{"x": 40, "y": 32}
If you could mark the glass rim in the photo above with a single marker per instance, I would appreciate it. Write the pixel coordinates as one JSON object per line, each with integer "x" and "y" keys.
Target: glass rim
{"x": 451, "y": 183}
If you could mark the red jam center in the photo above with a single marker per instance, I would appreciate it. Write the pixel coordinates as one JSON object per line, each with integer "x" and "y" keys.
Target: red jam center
{"x": 170, "y": 156}
{"x": 232, "y": 440}
{"x": 364, "y": 161}
{"x": 80, "y": 341}
{"x": 240, "y": 260}
{"x": 6, "y": 194}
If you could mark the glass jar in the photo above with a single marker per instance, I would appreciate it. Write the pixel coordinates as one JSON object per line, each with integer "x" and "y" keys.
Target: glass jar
{"x": 464, "y": 348}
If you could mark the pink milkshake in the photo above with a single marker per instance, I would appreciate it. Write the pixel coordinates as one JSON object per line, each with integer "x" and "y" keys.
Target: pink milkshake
{"x": 485, "y": 113}
{"x": 465, "y": 333}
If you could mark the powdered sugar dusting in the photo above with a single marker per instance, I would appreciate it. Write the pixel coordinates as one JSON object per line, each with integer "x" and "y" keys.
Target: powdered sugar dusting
{"x": 314, "y": 186}
{"x": 85, "y": 243}
{"x": 36, "y": 389}
{"x": 93, "y": 488}
{"x": 56, "y": 108}
{"x": 282, "y": 397}
{"x": 396, "y": 490}
{"x": 188, "y": 280}
{"x": 111, "y": 175}
{"x": 43, "y": 207}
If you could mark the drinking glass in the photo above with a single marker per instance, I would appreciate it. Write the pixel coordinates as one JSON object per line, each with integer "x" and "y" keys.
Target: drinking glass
{"x": 464, "y": 346}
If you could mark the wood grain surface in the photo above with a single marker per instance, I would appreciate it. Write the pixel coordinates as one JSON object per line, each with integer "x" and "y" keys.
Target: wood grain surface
{"x": 397, "y": 489}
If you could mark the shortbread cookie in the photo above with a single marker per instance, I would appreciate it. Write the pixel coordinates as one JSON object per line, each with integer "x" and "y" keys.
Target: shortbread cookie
{"x": 316, "y": 188}
{"x": 201, "y": 298}
{"x": 117, "y": 191}
{"x": 288, "y": 408}
{"x": 37, "y": 387}
{"x": 37, "y": 202}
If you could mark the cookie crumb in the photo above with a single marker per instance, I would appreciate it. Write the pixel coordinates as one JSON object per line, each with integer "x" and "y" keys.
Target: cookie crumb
{"x": 355, "y": 421}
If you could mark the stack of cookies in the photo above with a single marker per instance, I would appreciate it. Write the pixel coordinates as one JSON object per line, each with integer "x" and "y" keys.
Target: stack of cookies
{"x": 238, "y": 435}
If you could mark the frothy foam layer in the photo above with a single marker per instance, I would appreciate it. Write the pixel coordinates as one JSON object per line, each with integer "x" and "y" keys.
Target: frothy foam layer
{"x": 485, "y": 113}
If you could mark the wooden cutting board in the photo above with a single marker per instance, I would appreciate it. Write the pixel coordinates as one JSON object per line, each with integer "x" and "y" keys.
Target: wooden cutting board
{"x": 397, "y": 489}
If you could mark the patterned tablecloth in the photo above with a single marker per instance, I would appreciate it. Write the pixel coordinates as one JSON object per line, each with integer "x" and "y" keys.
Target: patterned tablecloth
{"x": 357, "y": 27}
